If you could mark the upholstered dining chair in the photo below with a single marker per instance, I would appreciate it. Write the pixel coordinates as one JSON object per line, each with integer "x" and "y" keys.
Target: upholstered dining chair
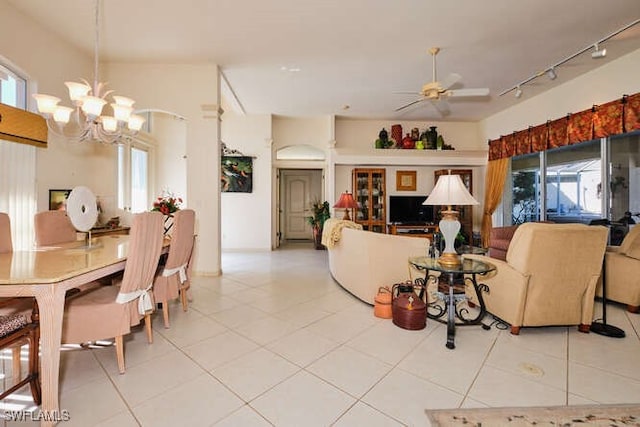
{"x": 111, "y": 311}
{"x": 174, "y": 279}
{"x": 53, "y": 227}
{"x": 19, "y": 325}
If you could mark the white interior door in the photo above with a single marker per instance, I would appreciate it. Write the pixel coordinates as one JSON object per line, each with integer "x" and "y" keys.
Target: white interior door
{"x": 299, "y": 189}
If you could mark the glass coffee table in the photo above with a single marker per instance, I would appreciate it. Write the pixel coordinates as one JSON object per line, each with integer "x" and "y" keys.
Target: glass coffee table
{"x": 451, "y": 299}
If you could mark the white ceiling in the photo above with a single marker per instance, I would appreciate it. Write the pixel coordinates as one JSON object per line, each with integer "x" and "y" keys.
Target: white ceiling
{"x": 356, "y": 53}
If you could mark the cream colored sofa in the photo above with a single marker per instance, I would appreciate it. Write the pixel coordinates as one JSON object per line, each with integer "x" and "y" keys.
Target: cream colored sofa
{"x": 549, "y": 276}
{"x": 623, "y": 271}
{"x": 362, "y": 261}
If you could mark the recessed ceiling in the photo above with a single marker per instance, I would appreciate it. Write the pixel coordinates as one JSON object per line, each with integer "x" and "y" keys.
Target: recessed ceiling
{"x": 314, "y": 57}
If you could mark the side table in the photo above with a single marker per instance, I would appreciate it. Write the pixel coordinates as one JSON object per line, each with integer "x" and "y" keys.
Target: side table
{"x": 452, "y": 291}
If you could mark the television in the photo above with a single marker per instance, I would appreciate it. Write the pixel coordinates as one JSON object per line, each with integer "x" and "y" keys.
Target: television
{"x": 410, "y": 210}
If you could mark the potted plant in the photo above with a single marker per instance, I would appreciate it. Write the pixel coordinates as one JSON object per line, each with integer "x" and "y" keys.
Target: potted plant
{"x": 321, "y": 213}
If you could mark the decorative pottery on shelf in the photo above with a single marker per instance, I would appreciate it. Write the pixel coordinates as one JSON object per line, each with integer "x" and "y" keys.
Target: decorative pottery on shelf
{"x": 396, "y": 134}
{"x": 432, "y": 138}
{"x": 407, "y": 142}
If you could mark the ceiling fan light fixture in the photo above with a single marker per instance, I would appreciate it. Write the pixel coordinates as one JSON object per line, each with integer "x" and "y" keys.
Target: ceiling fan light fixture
{"x": 598, "y": 53}
{"x": 551, "y": 73}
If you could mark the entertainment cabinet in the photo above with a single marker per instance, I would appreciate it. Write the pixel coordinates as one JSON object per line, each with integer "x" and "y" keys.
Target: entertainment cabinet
{"x": 426, "y": 230}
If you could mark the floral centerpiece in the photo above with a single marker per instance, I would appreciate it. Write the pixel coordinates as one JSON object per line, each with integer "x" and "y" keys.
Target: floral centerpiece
{"x": 167, "y": 204}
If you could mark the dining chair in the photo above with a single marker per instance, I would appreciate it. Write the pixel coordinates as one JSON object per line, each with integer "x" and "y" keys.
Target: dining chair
{"x": 53, "y": 227}
{"x": 111, "y": 311}
{"x": 19, "y": 325}
{"x": 173, "y": 279}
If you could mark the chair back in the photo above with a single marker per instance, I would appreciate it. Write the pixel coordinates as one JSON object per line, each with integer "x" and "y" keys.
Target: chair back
{"x": 53, "y": 227}
{"x": 5, "y": 234}
{"x": 563, "y": 263}
{"x": 181, "y": 239}
{"x": 145, "y": 245}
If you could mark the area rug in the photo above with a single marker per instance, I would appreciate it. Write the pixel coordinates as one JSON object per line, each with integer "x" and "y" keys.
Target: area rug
{"x": 563, "y": 416}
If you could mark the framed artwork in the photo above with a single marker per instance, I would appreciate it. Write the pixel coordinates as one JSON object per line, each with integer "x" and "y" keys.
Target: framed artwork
{"x": 236, "y": 174}
{"x": 406, "y": 180}
{"x": 58, "y": 200}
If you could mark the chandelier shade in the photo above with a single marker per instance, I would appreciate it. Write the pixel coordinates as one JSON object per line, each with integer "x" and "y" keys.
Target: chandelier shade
{"x": 86, "y": 122}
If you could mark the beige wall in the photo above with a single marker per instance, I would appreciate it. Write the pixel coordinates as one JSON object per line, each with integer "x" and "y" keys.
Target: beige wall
{"x": 169, "y": 132}
{"x": 606, "y": 83}
{"x": 247, "y": 217}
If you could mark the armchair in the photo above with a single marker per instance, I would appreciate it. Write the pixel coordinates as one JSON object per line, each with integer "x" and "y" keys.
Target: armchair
{"x": 622, "y": 264}
{"x": 499, "y": 240}
{"x": 549, "y": 276}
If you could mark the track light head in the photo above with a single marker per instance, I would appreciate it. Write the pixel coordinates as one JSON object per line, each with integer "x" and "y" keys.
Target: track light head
{"x": 598, "y": 53}
{"x": 551, "y": 73}
{"x": 518, "y": 92}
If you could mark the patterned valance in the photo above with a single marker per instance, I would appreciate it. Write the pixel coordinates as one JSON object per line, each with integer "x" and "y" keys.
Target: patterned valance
{"x": 613, "y": 118}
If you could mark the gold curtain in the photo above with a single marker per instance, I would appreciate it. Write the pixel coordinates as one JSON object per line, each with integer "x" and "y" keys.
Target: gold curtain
{"x": 494, "y": 186}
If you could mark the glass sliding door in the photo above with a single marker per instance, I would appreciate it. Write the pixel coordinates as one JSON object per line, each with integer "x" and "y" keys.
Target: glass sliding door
{"x": 525, "y": 189}
{"x": 573, "y": 183}
{"x": 624, "y": 184}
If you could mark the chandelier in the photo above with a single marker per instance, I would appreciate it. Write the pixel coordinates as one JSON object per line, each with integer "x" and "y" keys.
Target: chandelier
{"x": 86, "y": 122}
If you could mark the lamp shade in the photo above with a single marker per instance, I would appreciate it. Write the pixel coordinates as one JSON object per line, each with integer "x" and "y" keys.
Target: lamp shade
{"x": 346, "y": 201}
{"x": 450, "y": 190}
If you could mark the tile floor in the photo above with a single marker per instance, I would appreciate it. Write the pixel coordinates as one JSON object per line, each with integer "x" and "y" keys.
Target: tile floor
{"x": 275, "y": 341}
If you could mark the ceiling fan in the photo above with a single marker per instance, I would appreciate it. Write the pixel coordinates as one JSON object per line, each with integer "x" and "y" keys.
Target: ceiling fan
{"x": 437, "y": 91}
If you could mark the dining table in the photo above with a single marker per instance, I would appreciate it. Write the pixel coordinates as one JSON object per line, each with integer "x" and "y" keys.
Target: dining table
{"x": 47, "y": 273}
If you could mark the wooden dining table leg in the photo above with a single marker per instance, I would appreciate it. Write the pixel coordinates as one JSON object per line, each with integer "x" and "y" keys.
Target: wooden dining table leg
{"x": 51, "y": 304}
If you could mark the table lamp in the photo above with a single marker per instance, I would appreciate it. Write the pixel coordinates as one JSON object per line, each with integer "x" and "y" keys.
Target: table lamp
{"x": 346, "y": 202}
{"x": 449, "y": 190}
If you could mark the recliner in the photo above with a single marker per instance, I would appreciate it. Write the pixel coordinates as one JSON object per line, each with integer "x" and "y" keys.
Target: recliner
{"x": 549, "y": 276}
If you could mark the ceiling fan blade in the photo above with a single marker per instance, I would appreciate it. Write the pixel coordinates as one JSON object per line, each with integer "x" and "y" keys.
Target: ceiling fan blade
{"x": 450, "y": 80}
{"x": 409, "y": 104}
{"x": 407, "y": 93}
{"x": 469, "y": 92}
{"x": 442, "y": 106}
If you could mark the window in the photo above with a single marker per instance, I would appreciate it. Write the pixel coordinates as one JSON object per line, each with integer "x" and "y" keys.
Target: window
{"x": 525, "y": 188}
{"x": 17, "y": 168}
{"x": 583, "y": 182}
{"x": 573, "y": 176}
{"x": 133, "y": 177}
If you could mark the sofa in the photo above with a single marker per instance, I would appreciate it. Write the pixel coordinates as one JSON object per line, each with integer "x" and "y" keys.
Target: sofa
{"x": 363, "y": 261}
{"x": 549, "y": 276}
{"x": 622, "y": 270}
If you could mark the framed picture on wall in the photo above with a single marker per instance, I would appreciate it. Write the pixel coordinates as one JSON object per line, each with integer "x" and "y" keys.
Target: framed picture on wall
{"x": 236, "y": 174}
{"x": 58, "y": 200}
{"x": 406, "y": 180}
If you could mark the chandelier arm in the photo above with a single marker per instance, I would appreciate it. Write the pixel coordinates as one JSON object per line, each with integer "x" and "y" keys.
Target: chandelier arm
{"x": 96, "y": 50}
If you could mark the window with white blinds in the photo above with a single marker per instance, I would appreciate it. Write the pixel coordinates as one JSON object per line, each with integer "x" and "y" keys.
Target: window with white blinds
{"x": 17, "y": 169}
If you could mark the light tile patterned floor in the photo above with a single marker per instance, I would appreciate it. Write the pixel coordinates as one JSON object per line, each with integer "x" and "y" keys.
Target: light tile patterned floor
{"x": 275, "y": 341}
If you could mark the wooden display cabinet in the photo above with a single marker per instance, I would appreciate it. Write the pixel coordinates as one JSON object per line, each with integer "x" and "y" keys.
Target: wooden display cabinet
{"x": 466, "y": 212}
{"x": 369, "y": 191}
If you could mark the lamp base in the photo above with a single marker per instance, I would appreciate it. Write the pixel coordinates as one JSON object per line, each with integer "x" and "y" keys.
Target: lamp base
{"x": 449, "y": 227}
{"x": 607, "y": 330}
{"x": 346, "y": 216}
{"x": 449, "y": 260}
